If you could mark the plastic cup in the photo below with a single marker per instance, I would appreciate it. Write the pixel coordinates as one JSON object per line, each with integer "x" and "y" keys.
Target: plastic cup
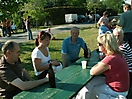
{"x": 84, "y": 64}
{"x": 101, "y": 55}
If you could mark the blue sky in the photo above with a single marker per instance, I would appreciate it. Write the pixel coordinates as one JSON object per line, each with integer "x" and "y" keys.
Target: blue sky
{"x": 128, "y": 1}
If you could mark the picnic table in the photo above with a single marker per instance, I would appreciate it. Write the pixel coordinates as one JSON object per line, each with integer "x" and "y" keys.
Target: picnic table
{"x": 68, "y": 82}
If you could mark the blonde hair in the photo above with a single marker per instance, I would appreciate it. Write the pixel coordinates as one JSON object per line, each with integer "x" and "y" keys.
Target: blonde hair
{"x": 109, "y": 42}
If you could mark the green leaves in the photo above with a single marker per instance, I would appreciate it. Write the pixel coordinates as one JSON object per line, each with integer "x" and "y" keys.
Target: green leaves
{"x": 36, "y": 9}
{"x": 8, "y": 7}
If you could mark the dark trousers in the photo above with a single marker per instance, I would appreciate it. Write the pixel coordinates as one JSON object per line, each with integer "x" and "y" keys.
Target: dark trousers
{"x": 4, "y": 31}
{"x": 129, "y": 95}
{"x": 43, "y": 74}
{"x": 128, "y": 38}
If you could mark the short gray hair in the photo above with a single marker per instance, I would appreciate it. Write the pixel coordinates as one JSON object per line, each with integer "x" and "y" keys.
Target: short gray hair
{"x": 9, "y": 45}
{"x": 74, "y": 27}
{"x": 119, "y": 30}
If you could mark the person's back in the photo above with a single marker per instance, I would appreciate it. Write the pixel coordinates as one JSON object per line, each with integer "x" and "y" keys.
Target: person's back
{"x": 126, "y": 21}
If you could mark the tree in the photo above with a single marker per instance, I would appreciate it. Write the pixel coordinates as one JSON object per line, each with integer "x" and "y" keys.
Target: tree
{"x": 76, "y": 3}
{"x": 114, "y": 4}
{"x": 9, "y": 7}
{"x": 36, "y": 9}
{"x": 94, "y": 6}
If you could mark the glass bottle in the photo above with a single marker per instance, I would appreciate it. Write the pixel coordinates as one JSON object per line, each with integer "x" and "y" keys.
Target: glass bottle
{"x": 51, "y": 77}
{"x": 85, "y": 51}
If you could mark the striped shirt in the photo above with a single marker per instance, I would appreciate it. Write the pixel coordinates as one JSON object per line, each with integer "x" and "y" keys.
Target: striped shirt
{"x": 127, "y": 53}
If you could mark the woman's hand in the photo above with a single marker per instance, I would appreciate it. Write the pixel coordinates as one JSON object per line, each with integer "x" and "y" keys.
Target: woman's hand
{"x": 55, "y": 63}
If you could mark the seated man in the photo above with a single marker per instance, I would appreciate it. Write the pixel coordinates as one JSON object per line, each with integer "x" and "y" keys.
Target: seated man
{"x": 13, "y": 77}
{"x": 104, "y": 27}
{"x": 71, "y": 47}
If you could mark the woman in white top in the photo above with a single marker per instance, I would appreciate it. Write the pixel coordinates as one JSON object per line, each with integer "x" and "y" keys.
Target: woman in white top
{"x": 41, "y": 56}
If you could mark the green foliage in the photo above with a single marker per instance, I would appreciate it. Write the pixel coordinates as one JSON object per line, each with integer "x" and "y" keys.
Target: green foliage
{"x": 35, "y": 9}
{"x": 76, "y": 3}
{"x": 9, "y": 7}
{"x": 114, "y": 4}
{"x": 94, "y": 6}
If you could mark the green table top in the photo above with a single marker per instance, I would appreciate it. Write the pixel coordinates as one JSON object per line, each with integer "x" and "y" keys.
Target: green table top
{"x": 68, "y": 82}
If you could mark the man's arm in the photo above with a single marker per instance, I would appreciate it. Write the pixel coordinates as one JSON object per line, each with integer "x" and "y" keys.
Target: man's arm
{"x": 25, "y": 85}
{"x": 64, "y": 60}
{"x": 26, "y": 75}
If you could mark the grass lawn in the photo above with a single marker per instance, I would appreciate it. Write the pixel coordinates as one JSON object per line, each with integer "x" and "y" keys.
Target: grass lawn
{"x": 88, "y": 34}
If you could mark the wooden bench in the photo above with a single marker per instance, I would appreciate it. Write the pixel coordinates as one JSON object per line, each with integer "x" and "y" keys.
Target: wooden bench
{"x": 68, "y": 82}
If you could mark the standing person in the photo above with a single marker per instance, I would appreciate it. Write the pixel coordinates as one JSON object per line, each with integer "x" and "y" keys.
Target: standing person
{"x": 24, "y": 25}
{"x": 125, "y": 48}
{"x": 115, "y": 83}
{"x": 13, "y": 76}
{"x": 4, "y": 30}
{"x": 105, "y": 15}
{"x": 104, "y": 27}
{"x": 8, "y": 27}
{"x": 71, "y": 47}
{"x": 125, "y": 23}
{"x": 28, "y": 27}
{"x": 41, "y": 56}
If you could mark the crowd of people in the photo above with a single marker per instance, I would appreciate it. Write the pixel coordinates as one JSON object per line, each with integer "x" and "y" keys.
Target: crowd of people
{"x": 6, "y": 27}
{"x": 116, "y": 66}
{"x": 9, "y": 27}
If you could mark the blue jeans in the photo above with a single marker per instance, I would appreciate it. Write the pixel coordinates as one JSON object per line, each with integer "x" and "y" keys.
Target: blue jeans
{"x": 30, "y": 36}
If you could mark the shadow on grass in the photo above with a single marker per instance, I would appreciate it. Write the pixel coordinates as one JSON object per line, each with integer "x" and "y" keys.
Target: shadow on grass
{"x": 57, "y": 39}
{"x": 54, "y": 49}
{"x": 28, "y": 47}
{"x": 64, "y": 28}
{"x": 86, "y": 28}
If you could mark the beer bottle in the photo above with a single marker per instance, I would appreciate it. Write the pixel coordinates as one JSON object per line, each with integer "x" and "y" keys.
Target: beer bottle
{"x": 85, "y": 51}
{"x": 51, "y": 77}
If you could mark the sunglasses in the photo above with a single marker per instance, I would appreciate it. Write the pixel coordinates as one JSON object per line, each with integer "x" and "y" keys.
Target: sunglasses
{"x": 99, "y": 44}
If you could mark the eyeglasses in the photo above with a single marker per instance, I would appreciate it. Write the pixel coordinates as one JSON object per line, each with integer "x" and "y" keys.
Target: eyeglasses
{"x": 99, "y": 44}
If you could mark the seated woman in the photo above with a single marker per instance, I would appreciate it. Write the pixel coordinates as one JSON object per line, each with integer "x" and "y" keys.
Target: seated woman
{"x": 41, "y": 56}
{"x": 115, "y": 83}
{"x": 126, "y": 50}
